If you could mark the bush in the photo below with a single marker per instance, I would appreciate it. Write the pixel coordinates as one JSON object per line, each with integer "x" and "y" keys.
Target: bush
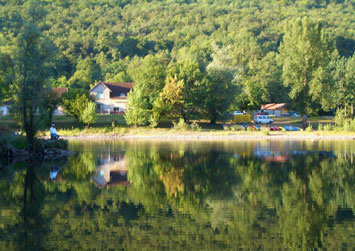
{"x": 266, "y": 131}
{"x": 181, "y": 125}
{"x": 320, "y": 127}
{"x": 236, "y": 127}
{"x": 89, "y": 115}
{"x": 352, "y": 124}
{"x": 328, "y": 127}
{"x": 195, "y": 127}
{"x": 349, "y": 125}
{"x": 75, "y": 102}
{"x": 339, "y": 117}
{"x": 137, "y": 116}
{"x": 154, "y": 120}
{"x": 309, "y": 128}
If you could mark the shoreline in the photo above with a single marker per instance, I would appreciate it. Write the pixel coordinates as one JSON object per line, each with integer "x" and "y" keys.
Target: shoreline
{"x": 206, "y": 137}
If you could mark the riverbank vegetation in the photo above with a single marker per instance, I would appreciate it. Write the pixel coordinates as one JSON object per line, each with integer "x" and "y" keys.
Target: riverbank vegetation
{"x": 115, "y": 125}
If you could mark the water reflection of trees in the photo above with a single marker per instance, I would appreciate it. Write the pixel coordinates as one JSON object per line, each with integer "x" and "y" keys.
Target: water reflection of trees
{"x": 294, "y": 200}
{"x": 22, "y": 201}
{"x": 184, "y": 198}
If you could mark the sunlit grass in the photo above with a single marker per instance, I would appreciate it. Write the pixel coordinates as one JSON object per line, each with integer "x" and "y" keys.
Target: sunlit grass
{"x": 115, "y": 125}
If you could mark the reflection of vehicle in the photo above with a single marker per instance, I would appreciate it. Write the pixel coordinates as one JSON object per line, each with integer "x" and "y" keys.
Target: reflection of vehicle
{"x": 263, "y": 119}
{"x": 291, "y": 114}
{"x": 237, "y": 113}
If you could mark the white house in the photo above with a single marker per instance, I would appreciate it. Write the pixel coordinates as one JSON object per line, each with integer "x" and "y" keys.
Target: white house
{"x": 111, "y": 97}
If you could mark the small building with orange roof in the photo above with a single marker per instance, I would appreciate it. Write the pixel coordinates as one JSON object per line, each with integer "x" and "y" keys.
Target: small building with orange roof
{"x": 275, "y": 109}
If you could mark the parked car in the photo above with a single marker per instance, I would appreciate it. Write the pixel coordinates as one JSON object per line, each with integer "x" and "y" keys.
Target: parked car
{"x": 262, "y": 119}
{"x": 291, "y": 114}
{"x": 237, "y": 113}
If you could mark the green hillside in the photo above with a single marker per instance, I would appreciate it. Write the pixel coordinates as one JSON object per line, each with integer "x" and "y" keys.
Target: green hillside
{"x": 108, "y": 39}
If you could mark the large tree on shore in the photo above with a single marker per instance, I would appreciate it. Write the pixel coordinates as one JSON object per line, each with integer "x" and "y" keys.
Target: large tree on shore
{"x": 188, "y": 81}
{"x": 343, "y": 74}
{"x": 30, "y": 74}
{"x": 149, "y": 76}
{"x": 221, "y": 85}
{"x": 304, "y": 56}
{"x": 6, "y": 75}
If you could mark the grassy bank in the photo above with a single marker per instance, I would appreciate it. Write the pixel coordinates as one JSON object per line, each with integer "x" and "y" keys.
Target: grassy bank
{"x": 115, "y": 125}
{"x": 162, "y": 133}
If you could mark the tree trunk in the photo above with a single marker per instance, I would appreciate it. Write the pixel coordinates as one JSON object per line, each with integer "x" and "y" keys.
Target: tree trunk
{"x": 183, "y": 114}
{"x": 50, "y": 117}
{"x": 305, "y": 82}
{"x": 345, "y": 112}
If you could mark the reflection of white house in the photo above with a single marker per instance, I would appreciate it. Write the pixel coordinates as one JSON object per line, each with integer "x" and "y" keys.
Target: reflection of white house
{"x": 111, "y": 170}
{"x": 111, "y": 97}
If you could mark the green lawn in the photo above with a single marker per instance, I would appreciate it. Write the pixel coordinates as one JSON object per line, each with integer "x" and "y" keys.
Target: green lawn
{"x": 66, "y": 122}
{"x": 292, "y": 121}
{"x": 103, "y": 121}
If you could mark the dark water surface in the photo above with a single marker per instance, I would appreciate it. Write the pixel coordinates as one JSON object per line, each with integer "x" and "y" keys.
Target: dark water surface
{"x": 150, "y": 195}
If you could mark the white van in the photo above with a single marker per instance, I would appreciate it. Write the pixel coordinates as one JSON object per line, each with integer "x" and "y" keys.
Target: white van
{"x": 262, "y": 119}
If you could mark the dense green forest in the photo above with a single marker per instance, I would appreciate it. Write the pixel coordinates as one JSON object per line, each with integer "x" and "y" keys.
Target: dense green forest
{"x": 214, "y": 55}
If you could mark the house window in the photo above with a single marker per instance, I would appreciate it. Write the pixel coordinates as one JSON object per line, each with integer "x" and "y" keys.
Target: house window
{"x": 122, "y": 94}
{"x": 100, "y": 95}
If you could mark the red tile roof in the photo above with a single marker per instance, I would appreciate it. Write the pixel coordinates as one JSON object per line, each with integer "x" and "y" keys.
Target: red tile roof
{"x": 273, "y": 106}
{"x": 59, "y": 91}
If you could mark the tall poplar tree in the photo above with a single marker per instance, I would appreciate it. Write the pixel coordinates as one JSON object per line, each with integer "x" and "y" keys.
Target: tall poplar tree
{"x": 304, "y": 56}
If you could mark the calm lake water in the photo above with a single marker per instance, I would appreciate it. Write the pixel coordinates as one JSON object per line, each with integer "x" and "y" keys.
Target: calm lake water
{"x": 151, "y": 195}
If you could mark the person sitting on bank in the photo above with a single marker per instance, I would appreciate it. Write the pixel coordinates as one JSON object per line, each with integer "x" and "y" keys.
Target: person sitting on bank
{"x": 53, "y": 132}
